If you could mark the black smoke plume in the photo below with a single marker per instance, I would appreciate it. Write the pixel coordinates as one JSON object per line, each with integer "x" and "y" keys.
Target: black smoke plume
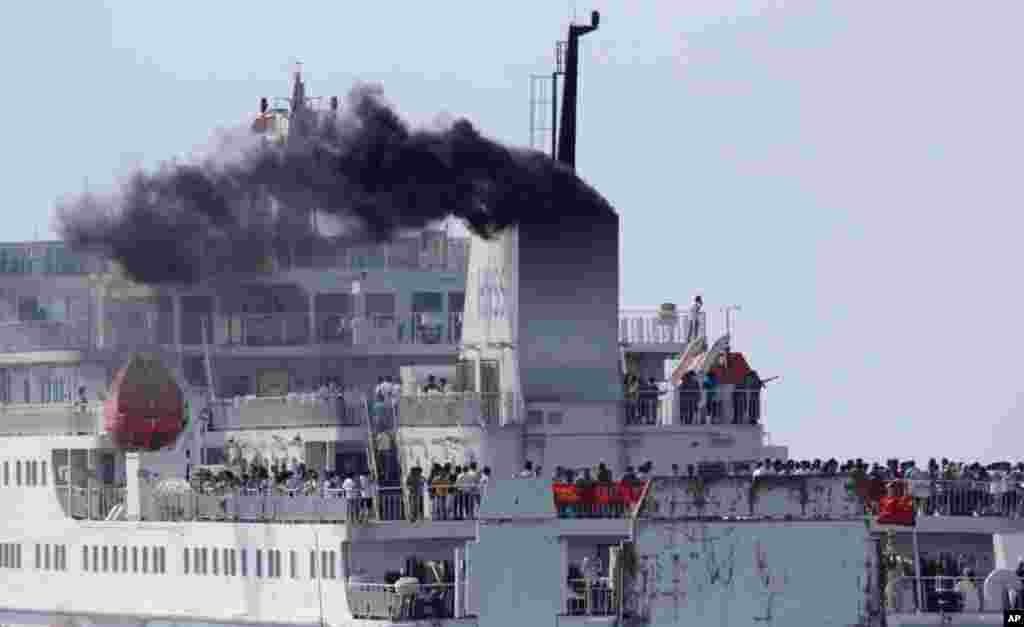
{"x": 363, "y": 165}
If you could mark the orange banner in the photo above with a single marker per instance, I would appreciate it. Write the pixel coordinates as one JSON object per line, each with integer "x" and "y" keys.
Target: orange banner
{"x": 618, "y": 493}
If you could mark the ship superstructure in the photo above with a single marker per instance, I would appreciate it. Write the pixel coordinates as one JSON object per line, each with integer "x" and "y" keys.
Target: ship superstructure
{"x": 539, "y": 355}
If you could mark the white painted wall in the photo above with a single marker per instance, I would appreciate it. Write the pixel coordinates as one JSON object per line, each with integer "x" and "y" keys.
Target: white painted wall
{"x": 805, "y": 574}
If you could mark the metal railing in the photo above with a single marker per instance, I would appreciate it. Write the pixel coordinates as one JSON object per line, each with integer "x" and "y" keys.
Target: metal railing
{"x": 646, "y": 410}
{"x": 944, "y": 594}
{"x": 277, "y": 329}
{"x": 89, "y": 503}
{"x": 34, "y": 335}
{"x": 647, "y": 326}
{"x": 390, "y": 329}
{"x": 65, "y": 417}
{"x": 591, "y": 597}
{"x": 961, "y": 497}
{"x": 458, "y": 408}
{"x": 309, "y": 409}
{"x": 382, "y": 601}
{"x": 387, "y": 504}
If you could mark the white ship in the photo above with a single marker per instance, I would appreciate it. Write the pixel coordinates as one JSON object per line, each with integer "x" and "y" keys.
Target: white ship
{"x": 99, "y": 529}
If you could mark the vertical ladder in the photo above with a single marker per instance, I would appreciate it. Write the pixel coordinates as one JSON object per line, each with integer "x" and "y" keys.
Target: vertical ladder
{"x": 543, "y": 103}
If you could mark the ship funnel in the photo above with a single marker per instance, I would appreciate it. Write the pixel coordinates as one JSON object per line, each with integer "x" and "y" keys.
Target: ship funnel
{"x": 264, "y": 105}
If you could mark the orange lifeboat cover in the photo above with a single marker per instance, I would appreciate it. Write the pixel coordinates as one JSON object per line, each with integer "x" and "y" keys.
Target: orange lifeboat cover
{"x": 145, "y": 410}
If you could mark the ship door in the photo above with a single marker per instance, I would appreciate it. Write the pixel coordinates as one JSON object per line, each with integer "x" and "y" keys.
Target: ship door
{"x": 272, "y": 383}
{"x": 489, "y": 387}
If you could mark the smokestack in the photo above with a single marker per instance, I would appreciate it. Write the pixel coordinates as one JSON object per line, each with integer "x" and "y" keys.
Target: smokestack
{"x": 263, "y": 105}
{"x": 334, "y": 103}
{"x": 567, "y": 137}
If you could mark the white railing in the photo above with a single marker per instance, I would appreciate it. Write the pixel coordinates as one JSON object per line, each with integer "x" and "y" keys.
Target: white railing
{"x": 458, "y": 408}
{"x": 65, "y": 417}
{"x": 308, "y": 409}
{"x": 961, "y": 497}
{"x": 390, "y": 602}
{"x": 278, "y": 329}
{"x": 647, "y": 326}
{"x": 34, "y": 335}
{"x": 390, "y": 329}
{"x": 591, "y": 597}
{"x": 943, "y": 594}
{"x": 89, "y": 503}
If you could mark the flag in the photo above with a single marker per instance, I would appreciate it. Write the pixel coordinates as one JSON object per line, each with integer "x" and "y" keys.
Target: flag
{"x": 689, "y": 361}
{"x": 718, "y": 349}
{"x": 896, "y": 510}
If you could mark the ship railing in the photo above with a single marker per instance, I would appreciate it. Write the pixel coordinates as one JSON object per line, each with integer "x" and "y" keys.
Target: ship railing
{"x": 646, "y": 410}
{"x": 390, "y": 329}
{"x": 392, "y": 602}
{"x": 292, "y": 410}
{"x": 459, "y": 408}
{"x": 649, "y": 326}
{"x": 93, "y": 503}
{"x": 591, "y": 597}
{"x": 61, "y": 417}
{"x": 947, "y": 595}
{"x": 386, "y": 504}
{"x": 962, "y": 497}
{"x": 270, "y": 329}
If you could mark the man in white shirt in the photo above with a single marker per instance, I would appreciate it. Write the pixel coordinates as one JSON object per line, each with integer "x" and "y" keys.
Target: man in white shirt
{"x": 759, "y": 470}
{"x": 469, "y": 483}
{"x": 527, "y": 471}
{"x": 352, "y": 495}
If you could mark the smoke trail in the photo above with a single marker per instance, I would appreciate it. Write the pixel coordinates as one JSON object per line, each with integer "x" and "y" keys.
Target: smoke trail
{"x": 365, "y": 164}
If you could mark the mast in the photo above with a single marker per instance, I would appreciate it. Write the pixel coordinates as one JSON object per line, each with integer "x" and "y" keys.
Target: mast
{"x": 567, "y": 134}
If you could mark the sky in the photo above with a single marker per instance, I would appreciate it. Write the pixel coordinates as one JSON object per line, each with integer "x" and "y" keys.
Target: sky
{"x": 844, "y": 172}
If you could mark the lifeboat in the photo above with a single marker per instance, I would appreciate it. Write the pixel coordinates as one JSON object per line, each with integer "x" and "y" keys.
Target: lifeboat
{"x": 146, "y": 408}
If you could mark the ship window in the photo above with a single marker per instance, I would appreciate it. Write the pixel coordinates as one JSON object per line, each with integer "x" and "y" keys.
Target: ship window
{"x": 115, "y": 553}
{"x": 204, "y": 560}
{"x": 39, "y": 558}
{"x": 234, "y": 562}
{"x": 17, "y": 472}
{"x": 63, "y": 557}
{"x": 106, "y": 558}
{"x": 312, "y": 564}
{"x": 46, "y": 557}
{"x": 17, "y": 556}
{"x": 243, "y": 555}
{"x": 3, "y": 555}
{"x": 135, "y": 559}
{"x": 185, "y": 561}
{"x": 195, "y": 561}
{"x": 145, "y": 559}
{"x": 216, "y": 561}
{"x": 85, "y": 558}
{"x": 124, "y": 559}
{"x": 162, "y": 552}
{"x": 228, "y": 566}
{"x": 95, "y": 558}
{"x": 7, "y": 473}
{"x": 259, "y": 562}
{"x": 292, "y": 566}
{"x": 42, "y": 472}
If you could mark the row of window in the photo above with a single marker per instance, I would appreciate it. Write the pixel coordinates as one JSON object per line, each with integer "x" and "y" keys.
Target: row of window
{"x": 119, "y": 559}
{"x": 51, "y": 557}
{"x": 10, "y": 555}
{"x": 265, "y": 563}
{"x": 27, "y": 472}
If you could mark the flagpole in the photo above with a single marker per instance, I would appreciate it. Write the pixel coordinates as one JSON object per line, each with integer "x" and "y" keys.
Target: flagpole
{"x": 917, "y": 570}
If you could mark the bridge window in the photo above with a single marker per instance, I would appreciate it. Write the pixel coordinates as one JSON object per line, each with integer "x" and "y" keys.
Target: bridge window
{"x": 243, "y": 554}
{"x": 159, "y": 560}
{"x": 145, "y": 559}
{"x": 312, "y": 564}
{"x": 259, "y": 562}
{"x": 185, "y": 561}
{"x": 7, "y": 473}
{"x": 292, "y": 565}
{"x": 106, "y": 558}
{"x": 216, "y": 561}
{"x": 95, "y": 558}
{"x": 17, "y": 472}
{"x": 39, "y": 558}
{"x": 124, "y": 559}
{"x": 42, "y": 472}
{"x": 85, "y": 558}
{"x": 135, "y": 559}
{"x": 204, "y": 555}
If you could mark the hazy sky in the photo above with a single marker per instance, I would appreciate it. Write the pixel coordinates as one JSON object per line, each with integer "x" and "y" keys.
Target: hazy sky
{"x": 841, "y": 170}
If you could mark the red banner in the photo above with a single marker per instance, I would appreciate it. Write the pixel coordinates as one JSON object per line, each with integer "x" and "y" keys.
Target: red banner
{"x": 618, "y": 493}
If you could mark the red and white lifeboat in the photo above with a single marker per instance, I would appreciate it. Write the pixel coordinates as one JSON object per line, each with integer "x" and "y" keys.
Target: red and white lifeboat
{"x": 146, "y": 407}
